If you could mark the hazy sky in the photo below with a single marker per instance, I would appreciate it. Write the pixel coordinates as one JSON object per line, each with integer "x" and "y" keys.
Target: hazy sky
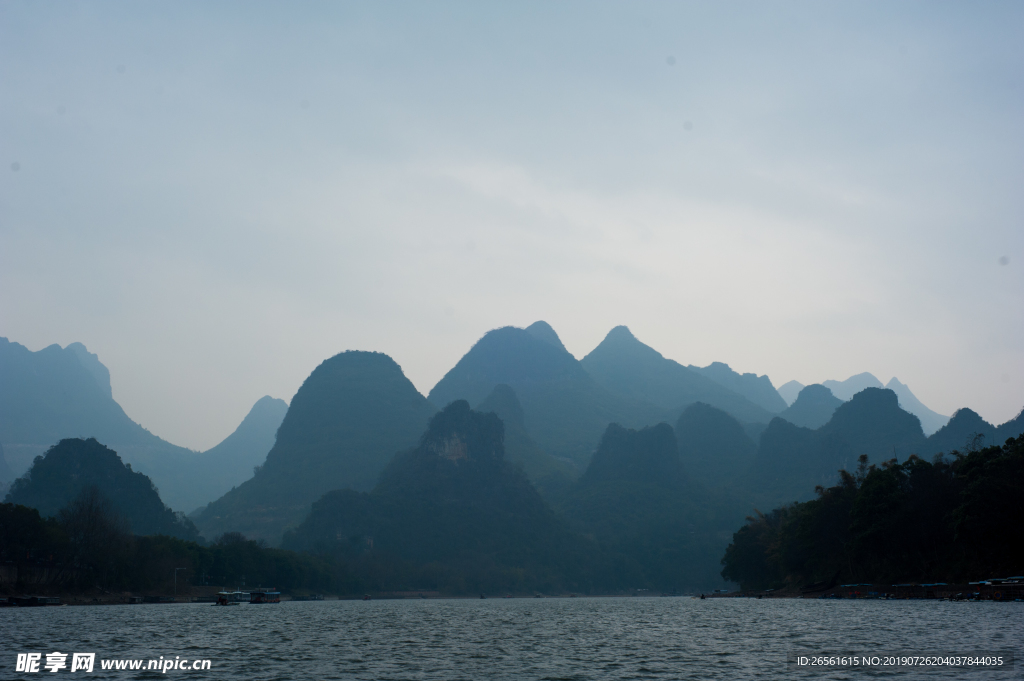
{"x": 215, "y": 197}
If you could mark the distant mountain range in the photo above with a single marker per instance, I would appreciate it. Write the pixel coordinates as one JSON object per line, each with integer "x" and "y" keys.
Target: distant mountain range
{"x": 59, "y": 393}
{"x": 757, "y": 389}
{"x": 647, "y": 462}
{"x": 564, "y": 408}
{"x": 623, "y": 364}
{"x": 845, "y": 390}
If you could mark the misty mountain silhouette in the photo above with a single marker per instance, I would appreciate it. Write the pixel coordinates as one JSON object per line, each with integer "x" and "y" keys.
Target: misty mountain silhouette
{"x": 452, "y": 502}
{"x": 58, "y": 477}
{"x": 789, "y": 391}
{"x": 813, "y": 407}
{"x": 346, "y": 422}
{"x": 542, "y": 331}
{"x": 564, "y": 409}
{"x": 872, "y": 423}
{"x": 547, "y": 473}
{"x": 231, "y": 462}
{"x": 658, "y": 530}
{"x": 961, "y": 431}
{"x": 713, "y": 446}
{"x": 757, "y": 389}
{"x": 59, "y": 393}
{"x": 56, "y": 393}
{"x": 930, "y": 420}
{"x": 1012, "y": 428}
{"x": 646, "y": 456}
{"x": 845, "y": 390}
{"x": 789, "y": 463}
{"x": 623, "y": 364}
{"x": 791, "y": 459}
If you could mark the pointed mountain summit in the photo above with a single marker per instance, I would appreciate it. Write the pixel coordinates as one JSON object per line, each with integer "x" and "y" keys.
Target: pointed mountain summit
{"x": 547, "y": 473}
{"x": 59, "y": 393}
{"x": 967, "y": 431}
{"x": 73, "y": 465}
{"x": 757, "y": 389}
{"x": 346, "y": 422}
{"x": 713, "y": 446}
{"x": 543, "y": 331}
{"x": 1012, "y": 428}
{"x": 624, "y": 365}
{"x": 789, "y": 391}
{"x": 564, "y": 409}
{"x": 507, "y": 355}
{"x": 91, "y": 363}
{"x": 930, "y": 420}
{"x": 503, "y": 402}
{"x": 813, "y": 407}
{"x": 231, "y": 462}
{"x": 451, "y": 509}
{"x": 960, "y": 433}
{"x": 845, "y": 390}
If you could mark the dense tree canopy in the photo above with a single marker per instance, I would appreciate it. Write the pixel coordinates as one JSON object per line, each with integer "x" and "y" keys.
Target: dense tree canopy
{"x": 955, "y": 518}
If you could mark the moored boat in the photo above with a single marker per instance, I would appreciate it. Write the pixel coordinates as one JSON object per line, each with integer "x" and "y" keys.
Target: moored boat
{"x": 231, "y": 597}
{"x": 261, "y": 596}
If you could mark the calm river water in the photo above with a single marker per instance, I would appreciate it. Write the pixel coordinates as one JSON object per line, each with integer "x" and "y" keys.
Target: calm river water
{"x": 579, "y": 638}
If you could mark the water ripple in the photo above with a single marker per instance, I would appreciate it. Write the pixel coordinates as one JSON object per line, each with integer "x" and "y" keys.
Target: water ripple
{"x": 579, "y": 639}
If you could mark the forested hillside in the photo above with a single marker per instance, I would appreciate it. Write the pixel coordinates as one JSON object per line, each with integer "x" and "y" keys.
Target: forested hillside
{"x": 74, "y": 466}
{"x": 954, "y": 519}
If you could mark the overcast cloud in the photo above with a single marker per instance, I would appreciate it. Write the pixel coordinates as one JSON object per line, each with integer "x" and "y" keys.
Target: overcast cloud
{"x": 216, "y": 197}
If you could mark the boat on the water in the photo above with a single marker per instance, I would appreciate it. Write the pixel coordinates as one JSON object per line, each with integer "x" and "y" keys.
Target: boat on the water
{"x": 32, "y": 601}
{"x": 261, "y": 596}
{"x": 231, "y": 597}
